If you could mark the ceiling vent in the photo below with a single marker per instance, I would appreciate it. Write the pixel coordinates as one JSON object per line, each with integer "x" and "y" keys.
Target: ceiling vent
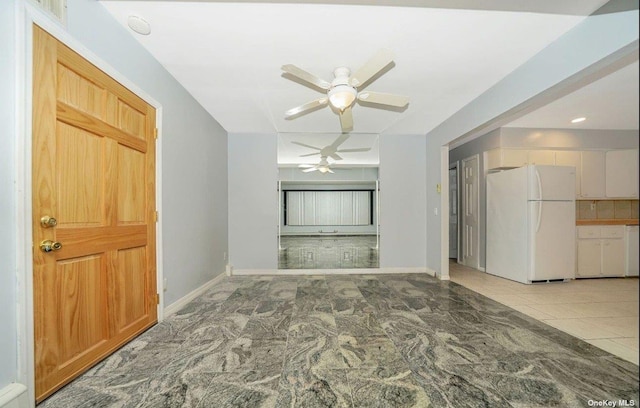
{"x": 58, "y": 8}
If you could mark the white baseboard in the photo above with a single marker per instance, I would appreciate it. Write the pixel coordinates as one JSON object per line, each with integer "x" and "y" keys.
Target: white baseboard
{"x": 358, "y": 271}
{"x": 182, "y": 302}
{"x": 14, "y": 395}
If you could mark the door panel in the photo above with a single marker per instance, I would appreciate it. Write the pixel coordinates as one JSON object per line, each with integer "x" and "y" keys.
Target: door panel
{"x": 470, "y": 220}
{"x": 453, "y": 213}
{"x": 80, "y": 179}
{"x": 129, "y": 307}
{"x": 131, "y": 181}
{"x": 82, "y": 323}
{"x": 94, "y": 172}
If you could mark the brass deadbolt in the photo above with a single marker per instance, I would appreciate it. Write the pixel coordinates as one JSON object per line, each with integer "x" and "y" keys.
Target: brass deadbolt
{"x": 48, "y": 222}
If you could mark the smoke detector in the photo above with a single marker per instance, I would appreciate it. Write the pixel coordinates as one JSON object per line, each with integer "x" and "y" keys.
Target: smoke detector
{"x": 139, "y": 25}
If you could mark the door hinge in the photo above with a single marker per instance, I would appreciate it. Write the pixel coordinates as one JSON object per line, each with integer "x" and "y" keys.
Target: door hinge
{"x": 157, "y": 216}
{"x": 155, "y": 133}
{"x": 157, "y": 298}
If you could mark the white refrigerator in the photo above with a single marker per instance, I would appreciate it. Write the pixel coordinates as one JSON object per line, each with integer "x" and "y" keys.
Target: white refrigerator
{"x": 531, "y": 223}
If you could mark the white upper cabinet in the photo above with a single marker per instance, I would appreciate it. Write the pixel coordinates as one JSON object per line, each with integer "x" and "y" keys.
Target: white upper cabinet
{"x": 592, "y": 180}
{"x": 621, "y": 173}
{"x": 600, "y": 174}
{"x": 542, "y": 157}
{"x": 571, "y": 158}
{"x": 504, "y": 158}
{"x": 498, "y": 158}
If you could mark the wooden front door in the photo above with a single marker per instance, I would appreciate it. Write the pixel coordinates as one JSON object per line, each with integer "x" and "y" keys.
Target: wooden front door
{"x": 94, "y": 282}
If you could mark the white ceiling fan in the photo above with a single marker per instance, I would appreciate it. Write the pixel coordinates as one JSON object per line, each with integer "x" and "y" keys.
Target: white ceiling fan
{"x": 332, "y": 150}
{"x": 323, "y": 166}
{"x": 346, "y": 89}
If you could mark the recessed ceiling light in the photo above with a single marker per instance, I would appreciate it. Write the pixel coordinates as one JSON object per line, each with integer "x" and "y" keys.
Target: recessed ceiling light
{"x": 578, "y": 120}
{"x": 139, "y": 25}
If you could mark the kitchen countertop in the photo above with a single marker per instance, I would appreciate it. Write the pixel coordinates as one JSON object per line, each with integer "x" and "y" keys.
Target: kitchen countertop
{"x": 625, "y": 221}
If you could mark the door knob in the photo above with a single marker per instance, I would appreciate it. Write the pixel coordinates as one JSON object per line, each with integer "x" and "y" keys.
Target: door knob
{"x": 48, "y": 245}
{"x": 48, "y": 222}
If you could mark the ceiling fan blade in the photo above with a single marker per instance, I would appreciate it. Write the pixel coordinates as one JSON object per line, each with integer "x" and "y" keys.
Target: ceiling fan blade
{"x": 380, "y": 98}
{"x": 377, "y": 63}
{"x": 310, "y": 169}
{"x": 306, "y": 108}
{"x": 306, "y": 145}
{"x": 330, "y": 171}
{"x": 306, "y": 76}
{"x": 339, "y": 140}
{"x": 346, "y": 120}
{"x": 309, "y": 154}
{"x": 335, "y": 156}
{"x": 359, "y": 149}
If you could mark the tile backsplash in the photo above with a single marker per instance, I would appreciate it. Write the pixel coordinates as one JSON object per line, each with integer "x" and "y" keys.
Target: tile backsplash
{"x": 606, "y": 209}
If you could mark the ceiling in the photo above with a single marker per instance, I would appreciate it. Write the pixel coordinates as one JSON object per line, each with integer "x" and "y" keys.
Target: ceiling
{"x": 228, "y": 54}
{"x": 609, "y": 103}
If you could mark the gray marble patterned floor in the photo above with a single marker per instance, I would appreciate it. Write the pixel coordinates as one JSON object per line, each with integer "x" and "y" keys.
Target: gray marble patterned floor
{"x": 328, "y": 252}
{"x": 351, "y": 341}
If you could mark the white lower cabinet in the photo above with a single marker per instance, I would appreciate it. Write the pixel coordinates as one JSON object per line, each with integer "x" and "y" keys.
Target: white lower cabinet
{"x": 600, "y": 251}
{"x": 589, "y": 258}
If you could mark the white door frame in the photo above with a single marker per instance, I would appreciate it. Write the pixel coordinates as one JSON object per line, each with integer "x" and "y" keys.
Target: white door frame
{"x": 456, "y": 165}
{"x": 443, "y": 189}
{"x": 26, "y": 16}
{"x": 476, "y": 205}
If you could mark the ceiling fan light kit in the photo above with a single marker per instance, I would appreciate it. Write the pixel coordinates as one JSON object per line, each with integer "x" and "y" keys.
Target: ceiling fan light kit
{"x": 342, "y": 92}
{"x": 342, "y": 97}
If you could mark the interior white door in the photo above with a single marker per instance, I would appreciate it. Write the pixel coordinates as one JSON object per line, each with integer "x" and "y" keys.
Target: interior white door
{"x": 453, "y": 212}
{"x": 471, "y": 207}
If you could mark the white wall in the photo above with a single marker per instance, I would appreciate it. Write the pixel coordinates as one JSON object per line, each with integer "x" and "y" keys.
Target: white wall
{"x": 8, "y": 362}
{"x": 253, "y": 201}
{"x": 194, "y": 154}
{"x": 402, "y": 201}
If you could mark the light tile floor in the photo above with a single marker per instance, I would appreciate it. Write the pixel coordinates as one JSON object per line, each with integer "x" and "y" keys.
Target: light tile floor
{"x": 603, "y": 312}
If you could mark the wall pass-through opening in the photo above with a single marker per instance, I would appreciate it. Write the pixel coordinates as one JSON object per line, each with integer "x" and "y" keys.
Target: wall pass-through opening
{"x": 328, "y": 202}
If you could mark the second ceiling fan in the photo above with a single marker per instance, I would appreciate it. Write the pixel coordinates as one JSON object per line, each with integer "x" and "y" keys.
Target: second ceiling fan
{"x": 343, "y": 92}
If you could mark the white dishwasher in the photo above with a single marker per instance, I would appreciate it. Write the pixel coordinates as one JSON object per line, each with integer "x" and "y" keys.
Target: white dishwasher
{"x": 632, "y": 250}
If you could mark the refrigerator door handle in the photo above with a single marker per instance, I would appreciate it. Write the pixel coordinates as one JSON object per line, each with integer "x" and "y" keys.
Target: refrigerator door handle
{"x": 539, "y": 197}
{"x": 539, "y": 203}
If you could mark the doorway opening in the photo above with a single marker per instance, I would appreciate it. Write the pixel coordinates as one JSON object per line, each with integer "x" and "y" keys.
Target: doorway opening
{"x": 328, "y": 201}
